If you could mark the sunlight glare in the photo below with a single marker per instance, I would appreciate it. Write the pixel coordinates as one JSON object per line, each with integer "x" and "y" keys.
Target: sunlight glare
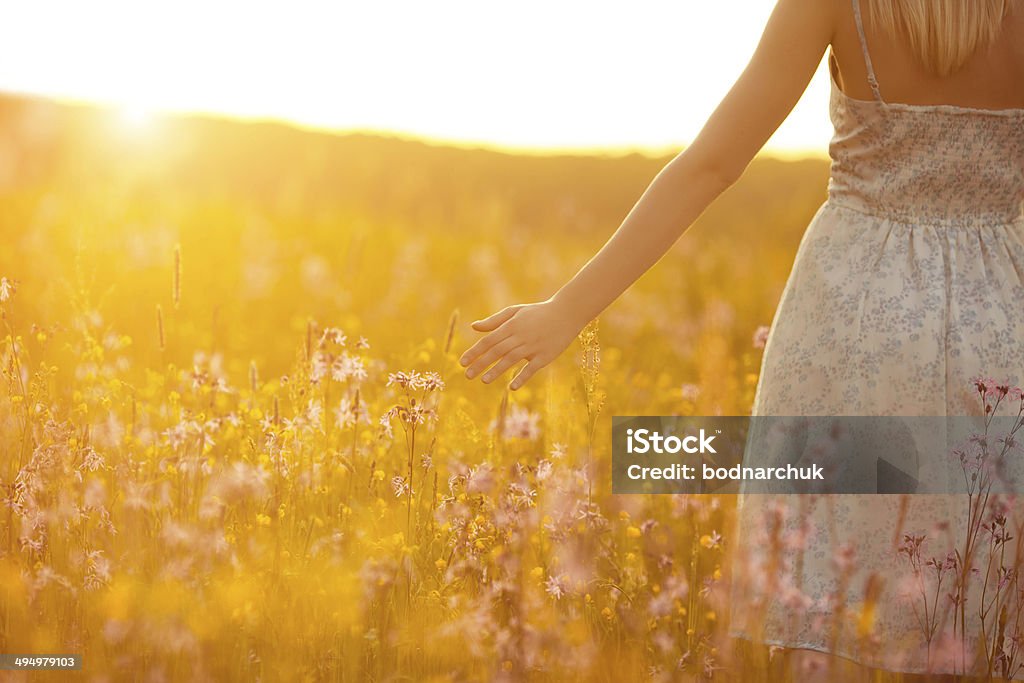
{"x": 565, "y": 75}
{"x": 135, "y": 118}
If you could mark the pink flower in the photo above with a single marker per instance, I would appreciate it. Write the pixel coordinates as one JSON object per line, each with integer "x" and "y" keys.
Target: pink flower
{"x": 761, "y": 337}
{"x": 689, "y": 392}
{"x": 554, "y": 586}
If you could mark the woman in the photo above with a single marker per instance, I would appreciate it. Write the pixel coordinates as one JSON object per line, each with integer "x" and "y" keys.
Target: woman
{"x": 908, "y": 282}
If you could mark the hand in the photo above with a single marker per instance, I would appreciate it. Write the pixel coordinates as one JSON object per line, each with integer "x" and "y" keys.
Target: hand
{"x": 537, "y": 332}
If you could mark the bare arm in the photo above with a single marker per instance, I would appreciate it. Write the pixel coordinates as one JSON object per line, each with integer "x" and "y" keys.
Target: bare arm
{"x": 790, "y": 50}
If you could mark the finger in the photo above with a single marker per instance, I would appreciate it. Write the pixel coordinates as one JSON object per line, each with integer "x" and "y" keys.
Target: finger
{"x": 524, "y": 375}
{"x": 502, "y": 365}
{"x": 484, "y": 343}
{"x": 491, "y": 355}
{"x": 493, "y": 321}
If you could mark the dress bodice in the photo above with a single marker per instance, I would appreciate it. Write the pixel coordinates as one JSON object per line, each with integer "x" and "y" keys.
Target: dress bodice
{"x": 933, "y": 164}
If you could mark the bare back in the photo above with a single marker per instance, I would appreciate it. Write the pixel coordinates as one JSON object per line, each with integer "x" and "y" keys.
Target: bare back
{"x": 992, "y": 78}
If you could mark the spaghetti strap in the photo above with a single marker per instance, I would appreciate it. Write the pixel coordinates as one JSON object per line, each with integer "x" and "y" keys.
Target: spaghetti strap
{"x": 872, "y": 81}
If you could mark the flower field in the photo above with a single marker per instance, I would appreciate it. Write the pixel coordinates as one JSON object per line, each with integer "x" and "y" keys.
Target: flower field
{"x": 236, "y": 442}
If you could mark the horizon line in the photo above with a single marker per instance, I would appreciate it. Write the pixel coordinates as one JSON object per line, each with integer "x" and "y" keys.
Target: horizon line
{"x": 613, "y": 150}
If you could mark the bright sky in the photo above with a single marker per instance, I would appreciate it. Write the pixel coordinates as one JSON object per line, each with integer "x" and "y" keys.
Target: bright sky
{"x": 530, "y": 73}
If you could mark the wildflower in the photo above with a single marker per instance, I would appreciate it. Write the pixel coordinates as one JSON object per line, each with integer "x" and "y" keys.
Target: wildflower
{"x": 427, "y": 381}
{"x": 982, "y": 384}
{"x": 689, "y": 392}
{"x": 544, "y": 469}
{"x": 712, "y": 540}
{"x": 519, "y": 423}
{"x": 406, "y": 380}
{"x": 400, "y": 486}
{"x": 431, "y": 381}
{"x": 760, "y": 337}
{"x": 349, "y": 413}
{"x": 97, "y": 572}
{"x": 709, "y": 664}
{"x": 555, "y": 586}
{"x": 347, "y": 367}
{"x": 332, "y": 335}
{"x": 7, "y": 288}
{"x": 521, "y": 497}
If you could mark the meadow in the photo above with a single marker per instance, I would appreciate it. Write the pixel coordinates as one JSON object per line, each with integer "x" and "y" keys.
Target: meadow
{"x": 236, "y": 443}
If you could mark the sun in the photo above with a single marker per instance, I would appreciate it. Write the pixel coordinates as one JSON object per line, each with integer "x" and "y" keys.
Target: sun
{"x": 135, "y": 118}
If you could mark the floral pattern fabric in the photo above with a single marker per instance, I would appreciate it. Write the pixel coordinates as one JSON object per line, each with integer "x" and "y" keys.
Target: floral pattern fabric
{"x": 908, "y": 283}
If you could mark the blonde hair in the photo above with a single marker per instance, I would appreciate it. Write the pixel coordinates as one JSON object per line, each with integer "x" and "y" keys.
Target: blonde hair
{"x": 943, "y": 34}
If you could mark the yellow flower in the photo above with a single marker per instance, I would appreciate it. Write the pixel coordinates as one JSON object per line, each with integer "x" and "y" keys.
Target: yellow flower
{"x": 537, "y": 572}
{"x": 707, "y": 541}
{"x": 262, "y": 519}
{"x": 633, "y": 532}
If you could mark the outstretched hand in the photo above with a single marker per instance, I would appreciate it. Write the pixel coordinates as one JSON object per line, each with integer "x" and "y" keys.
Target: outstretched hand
{"x": 537, "y": 333}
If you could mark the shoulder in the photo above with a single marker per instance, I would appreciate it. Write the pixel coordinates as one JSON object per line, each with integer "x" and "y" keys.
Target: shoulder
{"x": 819, "y": 16}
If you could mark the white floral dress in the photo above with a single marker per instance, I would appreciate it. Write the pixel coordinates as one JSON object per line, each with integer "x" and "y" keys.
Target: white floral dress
{"x": 908, "y": 283}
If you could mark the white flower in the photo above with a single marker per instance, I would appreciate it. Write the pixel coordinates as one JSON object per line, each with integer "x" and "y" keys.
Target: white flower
{"x": 520, "y": 423}
{"x": 543, "y": 470}
{"x": 689, "y": 392}
{"x": 6, "y": 289}
{"x": 347, "y": 367}
{"x": 555, "y": 587}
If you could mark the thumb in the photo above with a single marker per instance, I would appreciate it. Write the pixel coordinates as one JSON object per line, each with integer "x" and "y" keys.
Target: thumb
{"x": 494, "y": 321}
